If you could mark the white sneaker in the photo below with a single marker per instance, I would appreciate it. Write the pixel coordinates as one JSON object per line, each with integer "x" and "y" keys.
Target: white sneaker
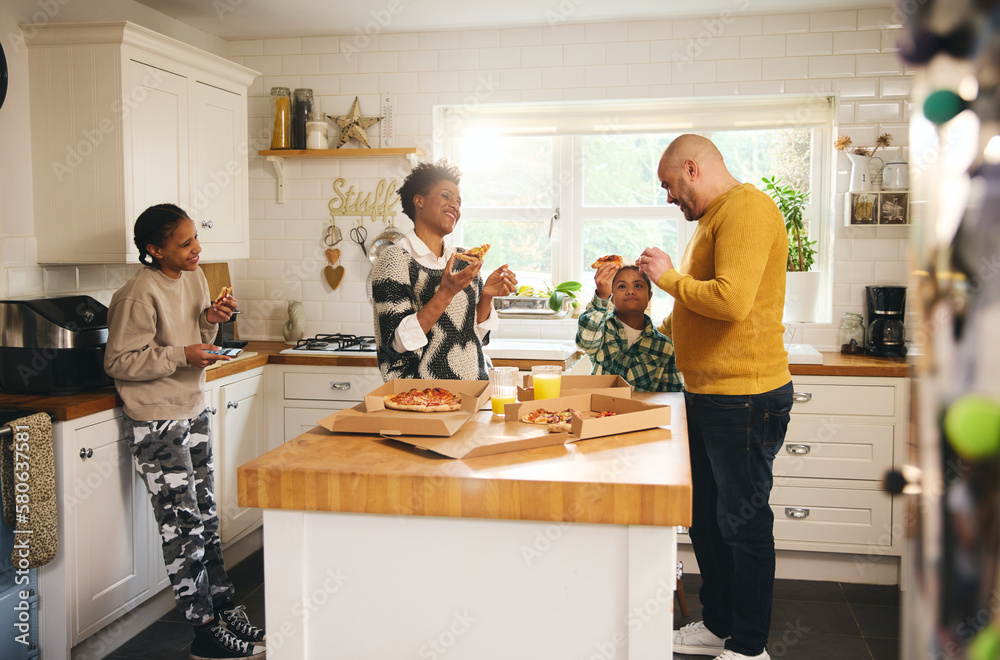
{"x": 733, "y": 655}
{"x": 696, "y": 639}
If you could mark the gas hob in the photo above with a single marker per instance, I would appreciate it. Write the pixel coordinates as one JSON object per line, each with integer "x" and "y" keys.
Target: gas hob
{"x": 334, "y": 345}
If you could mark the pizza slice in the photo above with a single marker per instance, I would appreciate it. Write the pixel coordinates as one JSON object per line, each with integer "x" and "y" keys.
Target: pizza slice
{"x": 608, "y": 259}
{"x": 472, "y": 255}
{"x": 226, "y": 291}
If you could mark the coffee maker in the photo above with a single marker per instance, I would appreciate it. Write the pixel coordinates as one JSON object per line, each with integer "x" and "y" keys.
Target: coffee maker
{"x": 886, "y": 308}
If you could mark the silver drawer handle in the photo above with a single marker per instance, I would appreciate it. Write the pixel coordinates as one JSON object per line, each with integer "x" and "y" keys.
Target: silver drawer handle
{"x": 799, "y": 450}
{"x": 680, "y": 569}
{"x": 206, "y": 224}
{"x": 802, "y": 397}
{"x": 796, "y": 512}
{"x": 340, "y": 386}
{"x": 232, "y": 404}
{"x": 86, "y": 453}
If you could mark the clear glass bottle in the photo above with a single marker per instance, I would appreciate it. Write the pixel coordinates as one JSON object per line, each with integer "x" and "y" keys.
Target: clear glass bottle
{"x": 281, "y": 118}
{"x": 316, "y": 131}
{"x": 302, "y": 105}
{"x": 852, "y": 335}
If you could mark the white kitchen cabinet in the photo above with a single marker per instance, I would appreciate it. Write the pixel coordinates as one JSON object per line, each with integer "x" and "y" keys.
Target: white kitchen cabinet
{"x": 831, "y": 516}
{"x": 309, "y": 394}
{"x": 122, "y": 118}
{"x": 108, "y": 514}
{"x": 242, "y": 437}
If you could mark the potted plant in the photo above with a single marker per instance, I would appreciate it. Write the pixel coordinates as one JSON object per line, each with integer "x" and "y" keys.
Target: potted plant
{"x": 801, "y": 284}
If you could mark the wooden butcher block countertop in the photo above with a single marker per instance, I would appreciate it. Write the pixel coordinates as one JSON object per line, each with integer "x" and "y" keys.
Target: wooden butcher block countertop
{"x": 640, "y": 478}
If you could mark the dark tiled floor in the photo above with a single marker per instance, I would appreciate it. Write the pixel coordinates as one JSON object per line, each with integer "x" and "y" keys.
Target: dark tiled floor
{"x": 826, "y": 620}
{"x": 169, "y": 638}
{"x": 809, "y": 620}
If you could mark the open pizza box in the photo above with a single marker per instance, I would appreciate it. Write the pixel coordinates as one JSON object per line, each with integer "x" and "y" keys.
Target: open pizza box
{"x": 629, "y": 415}
{"x": 485, "y": 435}
{"x": 373, "y": 417}
{"x": 570, "y": 385}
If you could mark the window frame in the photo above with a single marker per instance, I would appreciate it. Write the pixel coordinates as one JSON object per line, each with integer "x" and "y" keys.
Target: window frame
{"x": 569, "y": 122}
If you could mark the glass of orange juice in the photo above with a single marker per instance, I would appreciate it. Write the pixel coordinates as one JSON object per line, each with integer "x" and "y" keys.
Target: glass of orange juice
{"x": 546, "y": 379}
{"x": 503, "y": 382}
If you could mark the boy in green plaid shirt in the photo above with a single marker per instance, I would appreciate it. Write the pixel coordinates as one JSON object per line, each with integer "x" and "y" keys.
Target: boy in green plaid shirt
{"x": 622, "y": 339}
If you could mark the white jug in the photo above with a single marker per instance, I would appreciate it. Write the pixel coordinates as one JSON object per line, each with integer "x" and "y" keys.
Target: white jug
{"x": 896, "y": 176}
{"x": 861, "y": 176}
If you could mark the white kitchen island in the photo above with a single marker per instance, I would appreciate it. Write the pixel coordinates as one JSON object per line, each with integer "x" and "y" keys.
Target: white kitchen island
{"x": 376, "y": 550}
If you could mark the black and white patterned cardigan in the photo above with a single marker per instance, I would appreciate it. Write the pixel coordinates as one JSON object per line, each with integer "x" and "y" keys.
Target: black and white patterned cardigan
{"x": 400, "y": 288}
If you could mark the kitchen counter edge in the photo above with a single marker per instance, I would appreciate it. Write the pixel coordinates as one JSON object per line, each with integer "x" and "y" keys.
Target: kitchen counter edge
{"x": 75, "y": 406}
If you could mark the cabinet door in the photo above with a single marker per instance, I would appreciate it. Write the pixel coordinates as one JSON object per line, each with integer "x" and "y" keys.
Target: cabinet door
{"x": 111, "y": 511}
{"x": 218, "y": 192}
{"x": 300, "y": 420}
{"x": 157, "y": 102}
{"x": 241, "y": 438}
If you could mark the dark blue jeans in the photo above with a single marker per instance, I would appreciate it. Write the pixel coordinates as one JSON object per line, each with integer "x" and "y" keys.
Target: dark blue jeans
{"x": 733, "y": 442}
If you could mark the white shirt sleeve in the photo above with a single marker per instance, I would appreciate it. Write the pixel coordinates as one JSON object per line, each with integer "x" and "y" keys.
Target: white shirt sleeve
{"x": 491, "y": 323}
{"x": 409, "y": 335}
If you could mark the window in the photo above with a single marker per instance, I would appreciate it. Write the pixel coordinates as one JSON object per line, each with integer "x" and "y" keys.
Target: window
{"x": 544, "y": 182}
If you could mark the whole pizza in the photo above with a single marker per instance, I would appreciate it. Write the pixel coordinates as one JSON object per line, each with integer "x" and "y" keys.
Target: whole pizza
{"x": 433, "y": 399}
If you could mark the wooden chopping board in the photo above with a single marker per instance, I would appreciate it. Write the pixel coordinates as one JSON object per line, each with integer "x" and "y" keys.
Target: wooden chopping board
{"x": 218, "y": 277}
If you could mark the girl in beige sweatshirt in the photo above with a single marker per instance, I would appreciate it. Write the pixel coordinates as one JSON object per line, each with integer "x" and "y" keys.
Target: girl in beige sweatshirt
{"x": 160, "y": 325}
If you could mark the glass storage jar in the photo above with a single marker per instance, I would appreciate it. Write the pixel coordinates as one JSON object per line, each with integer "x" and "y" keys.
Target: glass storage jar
{"x": 316, "y": 127}
{"x": 302, "y": 105}
{"x": 281, "y": 118}
{"x": 852, "y": 335}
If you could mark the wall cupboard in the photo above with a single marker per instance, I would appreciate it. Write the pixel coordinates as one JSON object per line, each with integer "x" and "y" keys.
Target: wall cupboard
{"x": 123, "y": 118}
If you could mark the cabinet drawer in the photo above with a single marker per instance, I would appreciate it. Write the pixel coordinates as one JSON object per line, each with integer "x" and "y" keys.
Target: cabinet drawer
{"x": 832, "y": 516}
{"x": 828, "y": 448}
{"x": 332, "y": 386}
{"x": 877, "y": 400}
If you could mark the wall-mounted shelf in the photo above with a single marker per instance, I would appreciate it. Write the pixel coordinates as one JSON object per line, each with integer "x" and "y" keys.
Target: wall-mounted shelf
{"x": 277, "y": 158}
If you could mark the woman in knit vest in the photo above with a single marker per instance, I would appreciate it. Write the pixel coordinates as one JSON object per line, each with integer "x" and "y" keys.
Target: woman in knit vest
{"x": 433, "y": 313}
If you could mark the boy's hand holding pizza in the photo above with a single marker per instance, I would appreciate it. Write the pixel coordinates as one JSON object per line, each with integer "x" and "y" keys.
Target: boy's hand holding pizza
{"x": 605, "y": 275}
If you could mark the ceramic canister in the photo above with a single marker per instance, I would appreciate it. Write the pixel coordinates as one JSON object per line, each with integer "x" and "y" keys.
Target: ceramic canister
{"x": 896, "y": 176}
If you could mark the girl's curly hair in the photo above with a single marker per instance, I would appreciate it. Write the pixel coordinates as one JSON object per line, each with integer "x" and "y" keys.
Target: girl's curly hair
{"x": 420, "y": 180}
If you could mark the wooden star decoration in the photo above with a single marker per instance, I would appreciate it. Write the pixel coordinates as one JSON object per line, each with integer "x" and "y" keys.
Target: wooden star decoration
{"x": 353, "y": 125}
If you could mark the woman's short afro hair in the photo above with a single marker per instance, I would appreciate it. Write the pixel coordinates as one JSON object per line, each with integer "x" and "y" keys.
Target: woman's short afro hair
{"x": 420, "y": 180}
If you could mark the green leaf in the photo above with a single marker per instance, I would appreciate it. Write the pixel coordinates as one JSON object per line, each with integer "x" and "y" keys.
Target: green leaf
{"x": 569, "y": 286}
{"x": 556, "y": 300}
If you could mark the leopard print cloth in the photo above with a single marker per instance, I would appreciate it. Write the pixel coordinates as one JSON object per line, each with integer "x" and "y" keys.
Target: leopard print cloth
{"x": 30, "y": 509}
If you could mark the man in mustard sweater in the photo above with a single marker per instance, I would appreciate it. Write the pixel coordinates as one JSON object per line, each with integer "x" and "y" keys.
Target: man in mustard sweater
{"x": 729, "y": 292}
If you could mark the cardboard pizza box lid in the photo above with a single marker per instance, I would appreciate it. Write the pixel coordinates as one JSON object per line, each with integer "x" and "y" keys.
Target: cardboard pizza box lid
{"x": 373, "y": 417}
{"x": 601, "y": 384}
{"x": 630, "y": 415}
{"x": 484, "y": 435}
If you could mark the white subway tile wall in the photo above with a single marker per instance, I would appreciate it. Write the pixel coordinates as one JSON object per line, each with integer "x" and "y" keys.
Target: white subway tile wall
{"x": 852, "y": 53}
{"x": 849, "y": 52}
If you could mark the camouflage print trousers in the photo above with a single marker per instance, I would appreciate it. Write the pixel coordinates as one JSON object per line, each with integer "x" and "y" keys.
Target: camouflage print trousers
{"x": 175, "y": 459}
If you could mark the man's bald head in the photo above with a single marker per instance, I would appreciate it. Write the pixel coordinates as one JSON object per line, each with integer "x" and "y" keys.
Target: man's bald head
{"x": 693, "y": 173}
{"x": 691, "y": 147}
